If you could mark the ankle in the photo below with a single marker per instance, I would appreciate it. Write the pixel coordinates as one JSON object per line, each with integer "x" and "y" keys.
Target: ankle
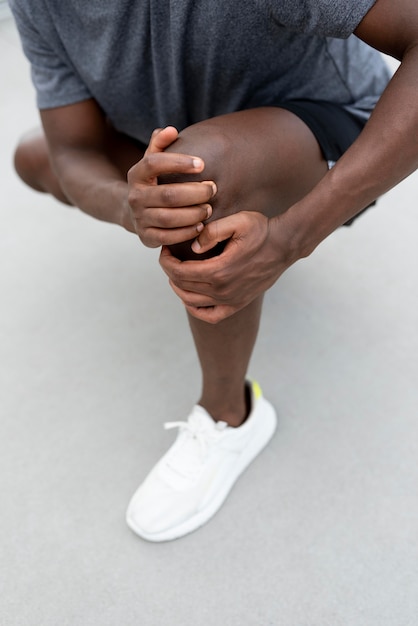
{"x": 222, "y": 409}
{"x": 232, "y": 417}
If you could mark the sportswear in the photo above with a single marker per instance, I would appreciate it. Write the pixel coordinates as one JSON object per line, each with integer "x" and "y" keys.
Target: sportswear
{"x": 191, "y": 481}
{"x": 150, "y": 63}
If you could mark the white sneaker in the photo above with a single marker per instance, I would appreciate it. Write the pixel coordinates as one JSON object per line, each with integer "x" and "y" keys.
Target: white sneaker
{"x": 191, "y": 481}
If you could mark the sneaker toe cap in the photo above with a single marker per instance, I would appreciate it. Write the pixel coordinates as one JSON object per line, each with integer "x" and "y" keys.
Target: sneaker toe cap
{"x": 157, "y": 509}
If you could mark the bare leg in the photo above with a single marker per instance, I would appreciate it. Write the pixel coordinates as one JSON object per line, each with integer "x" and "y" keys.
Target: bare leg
{"x": 32, "y": 163}
{"x": 276, "y": 160}
{"x": 224, "y": 352}
{"x": 269, "y": 176}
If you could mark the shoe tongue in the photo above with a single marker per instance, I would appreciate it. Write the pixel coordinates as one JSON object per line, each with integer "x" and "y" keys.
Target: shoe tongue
{"x": 186, "y": 459}
{"x": 200, "y": 414}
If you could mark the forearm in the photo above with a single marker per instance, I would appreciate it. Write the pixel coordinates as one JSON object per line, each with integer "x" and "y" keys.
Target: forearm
{"x": 90, "y": 160}
{"x": 93, "y": 184}
{"x": 385, "y": 153}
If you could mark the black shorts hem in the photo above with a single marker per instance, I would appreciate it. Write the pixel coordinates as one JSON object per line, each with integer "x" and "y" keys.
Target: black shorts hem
{"x": 335, "y": 129}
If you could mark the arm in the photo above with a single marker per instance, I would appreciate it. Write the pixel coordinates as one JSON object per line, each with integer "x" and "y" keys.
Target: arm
{"x": 385, "y": 153}
{"x": 77, "y": 136}
{"x": 78, "y": 140}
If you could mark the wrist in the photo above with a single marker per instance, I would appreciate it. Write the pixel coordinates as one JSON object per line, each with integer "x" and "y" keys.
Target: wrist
{"x": 123, "y": 213}
{"x": 103, "y": 197}
{"x": 311, "y": 220}
{"x": 289, "y": 238}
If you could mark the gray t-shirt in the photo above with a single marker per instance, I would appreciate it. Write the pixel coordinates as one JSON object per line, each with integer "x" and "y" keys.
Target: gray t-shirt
{"x": 150, "y": 63}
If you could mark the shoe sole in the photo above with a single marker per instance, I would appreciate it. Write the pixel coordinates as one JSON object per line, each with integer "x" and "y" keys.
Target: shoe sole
{"x": 204, "y": 515}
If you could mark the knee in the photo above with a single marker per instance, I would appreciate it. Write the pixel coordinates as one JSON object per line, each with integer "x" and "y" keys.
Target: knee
{"x": 31, "y": 161}
{"x": 208, "y": 141}
{"x": 30, "y": 158}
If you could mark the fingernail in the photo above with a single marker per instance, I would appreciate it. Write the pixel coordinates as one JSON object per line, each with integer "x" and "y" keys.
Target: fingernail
{"x": 197, "y": 163}
{"x": 209, "y": 211}
{"x": 200, "y": 227}
{"x": 196, "y": 246}
{"x": 212, "y": 186}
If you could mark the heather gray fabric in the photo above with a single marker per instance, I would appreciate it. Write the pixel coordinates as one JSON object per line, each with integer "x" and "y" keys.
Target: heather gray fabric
{"x": 149, "y": 63}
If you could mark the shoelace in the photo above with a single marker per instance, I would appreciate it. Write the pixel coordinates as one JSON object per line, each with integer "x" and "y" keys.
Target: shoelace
{"x": 189, "y": 456}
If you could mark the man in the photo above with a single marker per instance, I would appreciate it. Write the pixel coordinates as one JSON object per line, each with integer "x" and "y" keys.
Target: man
{"x": 269, "y": 96}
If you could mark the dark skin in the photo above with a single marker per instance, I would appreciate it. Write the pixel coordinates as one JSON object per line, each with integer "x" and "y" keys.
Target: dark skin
{"x": 257, "y": 176}
{"x": 382, "y": 156}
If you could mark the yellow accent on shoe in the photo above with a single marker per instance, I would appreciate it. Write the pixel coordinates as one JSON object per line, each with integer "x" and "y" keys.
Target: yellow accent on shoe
{"x": 256, "y": 390}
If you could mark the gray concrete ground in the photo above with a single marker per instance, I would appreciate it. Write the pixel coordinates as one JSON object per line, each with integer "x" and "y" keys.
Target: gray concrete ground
{"x": 322, "y": 530}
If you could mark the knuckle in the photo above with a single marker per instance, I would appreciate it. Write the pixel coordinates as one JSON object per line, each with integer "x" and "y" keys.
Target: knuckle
{"x": 168, "y": 195}
{"x": 218, "y": 281}
{"x": 135, "y": 197}
{"x": 134, "y": 172}
{"x": 180, "y": 161}
{"x": 161, "y": 219}
{"x": 147, "y": 238}
{"x": 221, "y": 285}
{"x": 148, "y": 160}
{"x": 177, "y": 276}
{"x": 149, "y": 163}
{"x": 142, "y": 236}
{"x": 164, "y": 239}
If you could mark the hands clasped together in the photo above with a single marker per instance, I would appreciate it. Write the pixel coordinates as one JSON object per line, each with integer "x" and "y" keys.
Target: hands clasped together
{"x": 214, "y": 288}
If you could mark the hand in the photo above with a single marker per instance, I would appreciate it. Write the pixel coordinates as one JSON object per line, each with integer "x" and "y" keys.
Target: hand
{"x": 256, "y": 254}
{"x": 165, "y": 214}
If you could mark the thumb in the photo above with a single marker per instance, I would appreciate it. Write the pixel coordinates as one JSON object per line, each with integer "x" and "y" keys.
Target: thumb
{"x": 161, "y": 138}
{"x": 215, "y": 232}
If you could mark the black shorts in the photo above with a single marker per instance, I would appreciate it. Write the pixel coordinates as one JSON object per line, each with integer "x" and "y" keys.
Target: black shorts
{"x": 335, "y": 128}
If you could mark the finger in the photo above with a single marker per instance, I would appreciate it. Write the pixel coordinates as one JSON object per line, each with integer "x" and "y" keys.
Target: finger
{"x": 192, "y": 271}
{"x": 161, "y": 138}
{"x": 200, "y": 289}
{"x": 171, "y": 265}
{"x": 155, "y": 164}
{"x": 167, "y": 260}
{"x": 176, "y": 195}
{"x": 192, "y": 299}
{"x": 175, "y": 218}
{"x": 215, "y": 232}
{"x": 212, "y": 315}
{"x": 155, "y": 237}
